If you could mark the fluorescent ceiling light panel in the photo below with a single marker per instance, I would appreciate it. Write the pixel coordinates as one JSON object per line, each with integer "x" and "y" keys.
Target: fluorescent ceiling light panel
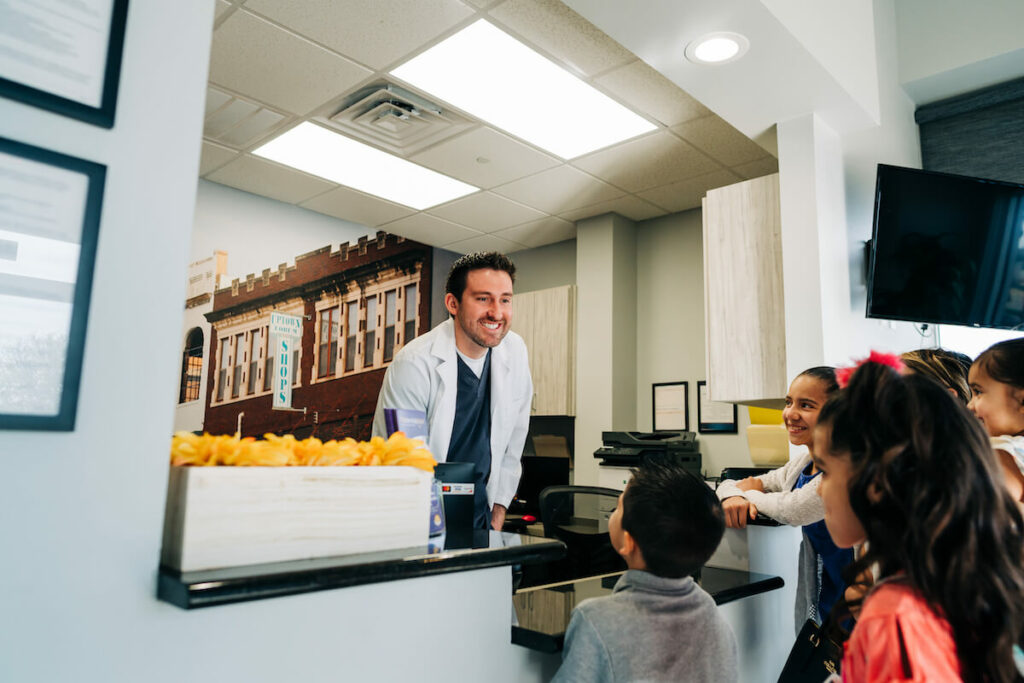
{"x": 491, "y": 75}
{"x": 324, "y": 153}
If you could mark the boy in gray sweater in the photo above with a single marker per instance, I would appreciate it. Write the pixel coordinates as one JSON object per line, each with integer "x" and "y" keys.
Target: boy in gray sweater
{"x": 658, "y": 624}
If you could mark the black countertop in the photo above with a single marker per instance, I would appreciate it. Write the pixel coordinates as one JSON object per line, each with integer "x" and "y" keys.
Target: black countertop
{"x": 544, "y": 612}
{"x": 480, "y": 550}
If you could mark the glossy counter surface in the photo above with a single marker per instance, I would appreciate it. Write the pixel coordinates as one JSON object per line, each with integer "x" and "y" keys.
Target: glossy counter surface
{"x": 483, "y": 549}
{"x": 543, "y": 612}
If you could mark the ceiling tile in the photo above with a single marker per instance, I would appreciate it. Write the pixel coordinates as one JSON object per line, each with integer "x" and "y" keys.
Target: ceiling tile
{"x": 260, "y": 124}
{"x": 269, "y": 64}
{"x": 716, "y": 137}
{"x": 647, "y": 91}
{"x": 538, "y": 233}
{"x": 371, "y": 32}
{"x": 214, "y": 156}
{"x": 555, "y": 28}
{"x": 215, "y": 99}
{"x": 484, "y": 243}
{"x": 630, "y": 206}
{"x": 506, "y": 159}
{"x": 756, "y": 169}
{"x": 269, "y": 179}
{"x": 223, "y": 6}
{"x": 559, "y": 189}
{"x": 687, "y": 194}
{"x": 482, "y": 3}
{"x": 486, "y": 212}
{"x": 429, "y": 230}
{"x": 355, "y": 206}
{"x": 650, "y": 161}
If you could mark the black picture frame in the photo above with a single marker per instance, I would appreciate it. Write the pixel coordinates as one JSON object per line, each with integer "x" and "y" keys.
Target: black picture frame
{"x": 714, "y": 427}
{"x": 80, "y": 290}
{"x": 103, "y": 115}
{"x": 666, "y": 424}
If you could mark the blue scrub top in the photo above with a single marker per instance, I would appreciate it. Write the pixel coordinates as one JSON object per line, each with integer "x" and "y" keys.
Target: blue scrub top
{"x": 471, "y": 434}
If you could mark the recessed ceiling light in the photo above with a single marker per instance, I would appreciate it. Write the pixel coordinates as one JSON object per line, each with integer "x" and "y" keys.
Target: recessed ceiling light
{"x": 321, "y": 152}
{"x": 491, "y": 75}
{"x": 717, "y": 48}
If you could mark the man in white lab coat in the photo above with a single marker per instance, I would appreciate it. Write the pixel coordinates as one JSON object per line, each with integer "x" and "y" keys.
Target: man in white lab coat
{"x": 471, "y": 376}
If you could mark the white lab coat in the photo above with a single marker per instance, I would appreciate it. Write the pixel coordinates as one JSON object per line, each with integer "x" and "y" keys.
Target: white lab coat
{"x": 424, "y": 376}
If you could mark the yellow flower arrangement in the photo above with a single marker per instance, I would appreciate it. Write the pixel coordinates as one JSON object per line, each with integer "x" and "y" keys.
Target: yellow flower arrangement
{"x": 188, "y": 449}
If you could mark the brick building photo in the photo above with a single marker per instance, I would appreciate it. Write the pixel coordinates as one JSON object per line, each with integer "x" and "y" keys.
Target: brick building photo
{"x": 358, "y": 304}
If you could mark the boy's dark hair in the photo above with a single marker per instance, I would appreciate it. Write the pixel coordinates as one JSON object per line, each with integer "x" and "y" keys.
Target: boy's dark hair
{"x": 1004, "y": 362}
{"x": 481, "y": 260}
{"x": 673, "y": 516}
{"x": 945, "y": 367}
{"x": 927, "y": 488}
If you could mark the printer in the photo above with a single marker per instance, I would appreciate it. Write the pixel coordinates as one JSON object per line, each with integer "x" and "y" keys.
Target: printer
{"x": 629, "y": 449}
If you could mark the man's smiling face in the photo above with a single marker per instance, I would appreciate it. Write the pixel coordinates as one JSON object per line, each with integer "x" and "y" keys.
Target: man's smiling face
{"x": 483, "y": 315}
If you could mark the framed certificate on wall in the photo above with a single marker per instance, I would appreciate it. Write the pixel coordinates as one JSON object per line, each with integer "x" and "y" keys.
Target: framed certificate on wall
{"x": 49, "y": 226}
{"x": 671, "y": 409}
{"x": 64, "y": 56}
{"x": 714, "y": 417}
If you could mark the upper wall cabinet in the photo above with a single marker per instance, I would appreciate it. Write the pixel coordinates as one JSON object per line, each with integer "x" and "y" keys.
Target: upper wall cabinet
{"x": 743, "y": 297}
{"x": 546, "y": 320}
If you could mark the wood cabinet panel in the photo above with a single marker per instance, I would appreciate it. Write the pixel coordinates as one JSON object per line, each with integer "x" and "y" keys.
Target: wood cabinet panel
{"x": 743, "y": 296}
{"x": 546, "y": 320}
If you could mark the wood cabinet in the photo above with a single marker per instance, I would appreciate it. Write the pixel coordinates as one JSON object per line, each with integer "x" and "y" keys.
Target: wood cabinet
{"x": 743, "y": 296}
{"x": 546, "y": 320}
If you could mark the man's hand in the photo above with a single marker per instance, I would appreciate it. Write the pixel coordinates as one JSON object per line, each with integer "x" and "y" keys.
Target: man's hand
{"x": 750, "y": 484}
{"x": 737, "y": 509}
{"x": 497, "y": 517}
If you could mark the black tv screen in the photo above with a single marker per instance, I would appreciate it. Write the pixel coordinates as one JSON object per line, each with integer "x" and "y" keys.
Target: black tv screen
{"x": 946, "y": 249}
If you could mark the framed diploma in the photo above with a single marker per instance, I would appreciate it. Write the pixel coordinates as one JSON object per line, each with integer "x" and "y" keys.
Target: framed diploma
{"x": 714, "y": 417}
{"x": 49, "y": 223}
{"x": 64, "y": 56}
{"x": 670, "y": 401}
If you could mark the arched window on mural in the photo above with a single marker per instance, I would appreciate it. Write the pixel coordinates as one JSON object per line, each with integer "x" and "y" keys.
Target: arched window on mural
{"x": 191, "y": 366}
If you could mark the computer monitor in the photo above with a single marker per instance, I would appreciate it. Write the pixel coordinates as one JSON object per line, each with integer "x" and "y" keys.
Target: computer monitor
{"x": 539, "y": 472}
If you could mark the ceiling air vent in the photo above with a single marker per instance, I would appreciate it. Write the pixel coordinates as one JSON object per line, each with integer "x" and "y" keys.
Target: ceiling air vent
{"x": 391, "y": 117}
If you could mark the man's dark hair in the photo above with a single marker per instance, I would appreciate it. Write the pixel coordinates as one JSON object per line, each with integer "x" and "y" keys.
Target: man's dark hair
{"x": 673, "y": 516}
{"x": 481, "y": 260}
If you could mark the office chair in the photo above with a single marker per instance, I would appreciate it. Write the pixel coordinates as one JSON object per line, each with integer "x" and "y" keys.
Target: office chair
{"x": 589, "y": 551}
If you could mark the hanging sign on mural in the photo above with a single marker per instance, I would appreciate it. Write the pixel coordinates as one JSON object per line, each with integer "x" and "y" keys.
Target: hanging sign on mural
{"x": 285, "y": 334}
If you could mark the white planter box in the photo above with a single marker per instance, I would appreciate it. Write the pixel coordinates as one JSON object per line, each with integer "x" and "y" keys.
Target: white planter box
{"x": 229, "y": 516}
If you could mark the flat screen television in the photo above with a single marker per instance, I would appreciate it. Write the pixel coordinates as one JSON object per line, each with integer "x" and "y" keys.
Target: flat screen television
{"x": 946, "y": 249}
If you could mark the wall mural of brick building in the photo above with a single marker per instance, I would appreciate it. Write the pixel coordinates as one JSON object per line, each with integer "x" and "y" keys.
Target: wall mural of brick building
{"x": 359, "y": 305}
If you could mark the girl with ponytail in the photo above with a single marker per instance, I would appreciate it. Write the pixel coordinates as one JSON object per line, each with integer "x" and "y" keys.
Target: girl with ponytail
{"x": 907, "y": 468}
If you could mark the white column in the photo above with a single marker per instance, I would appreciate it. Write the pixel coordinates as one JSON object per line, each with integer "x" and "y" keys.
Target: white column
{"x": 606, "y": 335}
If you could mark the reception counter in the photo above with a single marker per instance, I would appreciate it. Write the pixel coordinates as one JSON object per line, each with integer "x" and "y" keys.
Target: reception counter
{"x": 454, "y": 553}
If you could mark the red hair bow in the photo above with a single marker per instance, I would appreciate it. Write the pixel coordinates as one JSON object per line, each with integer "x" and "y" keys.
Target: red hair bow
{"x": 892, "y": 360}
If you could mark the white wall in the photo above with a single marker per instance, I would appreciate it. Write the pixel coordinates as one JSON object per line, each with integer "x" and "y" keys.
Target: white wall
{"x": 670, "y": 327}
{"x": 947, "y": 47}
{"x": 845, "y": 54}
{"x": 895, "y": 141}
{"x": 258, "y": 232}
{"x": 553, "y": 265}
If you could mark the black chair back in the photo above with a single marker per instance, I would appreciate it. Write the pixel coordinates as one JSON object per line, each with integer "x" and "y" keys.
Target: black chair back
{"x": 589, "y": 551}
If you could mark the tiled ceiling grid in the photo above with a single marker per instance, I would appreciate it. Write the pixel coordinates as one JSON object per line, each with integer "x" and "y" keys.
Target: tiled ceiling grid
{"x": 277, "y": 63}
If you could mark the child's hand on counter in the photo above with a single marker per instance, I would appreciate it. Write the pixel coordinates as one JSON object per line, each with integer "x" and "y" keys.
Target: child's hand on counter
{"x": 737, "y": 510}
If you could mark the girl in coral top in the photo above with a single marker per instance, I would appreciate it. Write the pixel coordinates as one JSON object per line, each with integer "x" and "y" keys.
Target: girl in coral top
{"x": 907, "y": 468}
